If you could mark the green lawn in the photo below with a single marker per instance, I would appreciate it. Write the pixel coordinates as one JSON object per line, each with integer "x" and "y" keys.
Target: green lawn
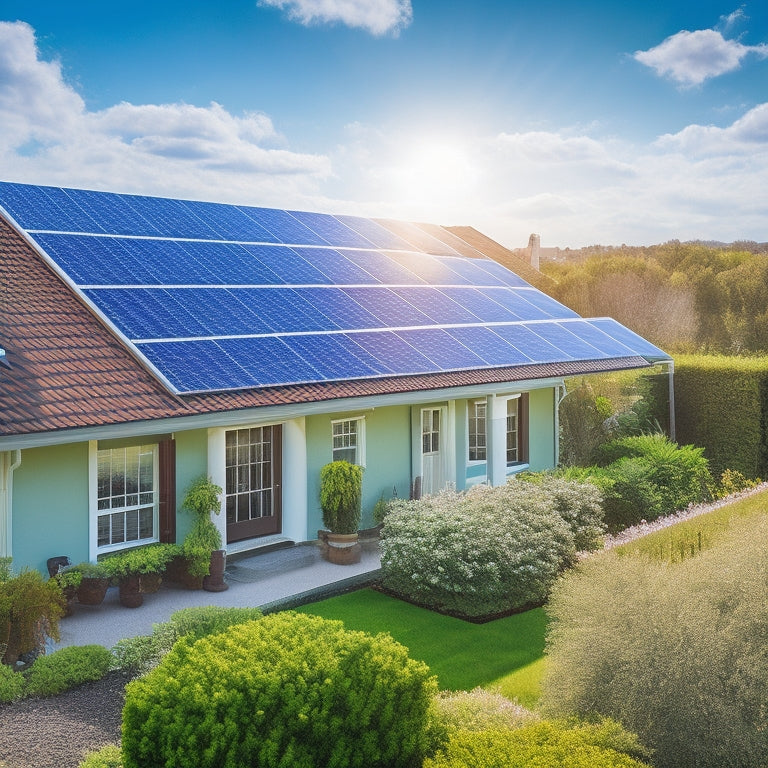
{"x": 506, "y": 654}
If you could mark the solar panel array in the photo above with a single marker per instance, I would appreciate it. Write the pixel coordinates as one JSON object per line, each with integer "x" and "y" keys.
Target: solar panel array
{"x": 218, "y": 297}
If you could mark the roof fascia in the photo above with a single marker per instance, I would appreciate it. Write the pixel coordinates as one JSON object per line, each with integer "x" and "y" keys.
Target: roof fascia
{"x": 268, "y": 413}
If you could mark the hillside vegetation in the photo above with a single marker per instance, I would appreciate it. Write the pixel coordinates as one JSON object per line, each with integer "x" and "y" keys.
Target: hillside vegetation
{"x": 681, "y": 296}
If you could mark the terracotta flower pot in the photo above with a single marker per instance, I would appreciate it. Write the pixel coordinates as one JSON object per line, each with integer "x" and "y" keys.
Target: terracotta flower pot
{"x": 214, "y": 582}
{"x": 149, "y": 583}
{"x": 92, "y": 590}
{"x": 130, "y": 591}
{"x": 177, "y": 571}
{"x": 342, "y": 548}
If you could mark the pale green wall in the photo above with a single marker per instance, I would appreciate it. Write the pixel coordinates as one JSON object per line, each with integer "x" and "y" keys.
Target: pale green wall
{"x": 541, "y": 425}
{"x": 387, "y": 460}
{"x": 50, "y": 505}
{"x": 191, "y": 463}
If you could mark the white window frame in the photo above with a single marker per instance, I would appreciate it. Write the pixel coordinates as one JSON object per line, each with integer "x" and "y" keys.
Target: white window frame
{"x": 95, "y": 512}
{"x": 514, "y": 399}
{"x": 473, "y": 418}
{"x": 359, "y": 422}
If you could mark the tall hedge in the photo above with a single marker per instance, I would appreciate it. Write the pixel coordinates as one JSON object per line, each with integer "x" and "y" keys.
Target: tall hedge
{"x": 721, "y": 404}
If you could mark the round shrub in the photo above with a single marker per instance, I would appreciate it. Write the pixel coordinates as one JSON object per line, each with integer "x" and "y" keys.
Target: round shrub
{"x": 106, "y": 757}
{"x": 481, "y": 552}
{"x": 286, "y": 690}
{"x": 12, "y": 684}
{"x": 544, "y": 745}
{"x": 66, "y": 668}
{"x": 480, "y": 710}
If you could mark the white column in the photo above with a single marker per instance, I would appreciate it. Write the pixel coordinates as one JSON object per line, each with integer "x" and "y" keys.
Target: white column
{"x": 9, "y": 461}
{"x": 496, "y": 440}
{"x": 295, "y": 480}
{"x": 217, "y": 471}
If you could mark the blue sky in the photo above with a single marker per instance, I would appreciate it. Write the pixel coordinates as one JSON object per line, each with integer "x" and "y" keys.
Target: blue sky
{"x": 588, "y": 122}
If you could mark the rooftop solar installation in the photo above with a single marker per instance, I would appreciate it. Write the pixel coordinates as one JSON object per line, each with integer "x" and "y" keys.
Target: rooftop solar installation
{"x": 216, "y": 297}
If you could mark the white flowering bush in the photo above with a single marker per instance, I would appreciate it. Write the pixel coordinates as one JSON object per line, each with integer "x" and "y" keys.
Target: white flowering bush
{"x": 484, "y": 551}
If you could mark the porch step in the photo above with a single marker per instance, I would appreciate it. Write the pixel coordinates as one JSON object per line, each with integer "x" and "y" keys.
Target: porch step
{"x": 263, "y": 544}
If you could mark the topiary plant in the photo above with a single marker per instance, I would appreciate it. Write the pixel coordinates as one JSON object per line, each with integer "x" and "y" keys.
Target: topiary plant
{"x": 286, "y": 690}
{"x": 201, "y": 499}
{"x": 341, "y": 489}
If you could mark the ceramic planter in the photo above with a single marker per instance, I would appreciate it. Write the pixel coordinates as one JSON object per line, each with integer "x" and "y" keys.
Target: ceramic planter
{"x": 342, "y": 548}
{"x": 130, "y": 591}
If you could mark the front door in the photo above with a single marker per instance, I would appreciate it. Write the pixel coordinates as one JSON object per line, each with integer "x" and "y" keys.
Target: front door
{"x": 254, "y": 480}
{"x": 432, "y": 471}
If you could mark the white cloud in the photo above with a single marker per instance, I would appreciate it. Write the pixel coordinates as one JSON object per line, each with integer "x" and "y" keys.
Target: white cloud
{"x": 690, "y": 58}
{"x": 48, "y": 136}
{"x": 379, "y": 17}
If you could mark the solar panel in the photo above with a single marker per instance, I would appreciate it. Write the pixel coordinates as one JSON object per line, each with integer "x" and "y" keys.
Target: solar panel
{"x": 219, "y": 297}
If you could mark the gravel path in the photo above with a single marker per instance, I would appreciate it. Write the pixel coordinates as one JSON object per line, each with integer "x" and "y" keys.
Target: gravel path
{"x": 57, "y": 732}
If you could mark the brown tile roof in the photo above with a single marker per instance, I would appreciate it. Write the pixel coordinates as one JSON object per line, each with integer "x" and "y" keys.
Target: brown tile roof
{"x": 65, "y": 369}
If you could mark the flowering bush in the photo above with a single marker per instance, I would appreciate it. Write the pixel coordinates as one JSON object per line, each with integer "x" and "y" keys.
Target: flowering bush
{"x": 487, "y": 550}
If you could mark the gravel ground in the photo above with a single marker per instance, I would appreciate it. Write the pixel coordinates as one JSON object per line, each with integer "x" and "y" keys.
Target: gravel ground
{"x": 57, "y": 732}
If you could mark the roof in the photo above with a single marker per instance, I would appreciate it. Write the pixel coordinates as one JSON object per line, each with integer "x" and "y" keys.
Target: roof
{"x": 70, "y": 366}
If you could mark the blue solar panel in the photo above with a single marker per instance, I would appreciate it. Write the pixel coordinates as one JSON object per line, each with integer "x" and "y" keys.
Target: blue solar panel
{"x": 547, "y": 303}
{"x": 561, "y": 337}
{"x": 334, "y": 356}
{"x": 284, "y": 310}
{"x": 196, "y": 366}
{"x": 286, "y": 228}
{"x": 481, "y": 305}
{"x": 439, "y": 308}
{"x": 472, "y": 271}
{"x": 495, "y": 269}
{"x": 495, "y": 350}
{"x": 171, "y": 218}
{"x": 442, "y": 349}
{"x": 530, "y": 343}
{"x": 269, "y": 361}
{"x": 289, "y": 265}
{"x": 341, "y": 310}
{"x": 516, "y": 303}
{"x": 230, "y": 264}
{"x": 393, "y": 353}
{"x": 332, "y": 230}
{"x": 230, "y": 222}
{"x": 597, "y": 338}
{"x": 337, "y": 268}
{"x": 393, "y": 310}
{"x": 375, "y": 233}
{"x": 220, "y": 311}
{"x": 384, "y": 268}
{"x": 428, "y": 268}
{"x": 636, "y": 343}
{"x": 418, "y": 239}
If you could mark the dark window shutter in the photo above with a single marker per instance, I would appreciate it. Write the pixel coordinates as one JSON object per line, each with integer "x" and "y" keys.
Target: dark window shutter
{"x": 167, "y": 490}
{"x": 522, "y": 428}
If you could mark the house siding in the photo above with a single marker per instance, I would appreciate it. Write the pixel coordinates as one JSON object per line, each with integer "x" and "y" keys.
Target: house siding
{"x": 50, "y": 505}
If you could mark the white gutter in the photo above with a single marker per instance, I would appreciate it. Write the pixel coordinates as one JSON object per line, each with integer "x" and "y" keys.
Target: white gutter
{"x": 7, "y": 468}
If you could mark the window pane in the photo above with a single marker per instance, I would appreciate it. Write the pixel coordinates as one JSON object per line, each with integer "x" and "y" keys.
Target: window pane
{"x": 103, "y": 530}
{"x": 146, "y": 516}
{"x": 132, "y": 525}
{"x": 231, "y": 509}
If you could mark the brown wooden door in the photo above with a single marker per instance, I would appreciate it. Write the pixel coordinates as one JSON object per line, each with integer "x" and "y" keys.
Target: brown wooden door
{"x": 254, "y": 482}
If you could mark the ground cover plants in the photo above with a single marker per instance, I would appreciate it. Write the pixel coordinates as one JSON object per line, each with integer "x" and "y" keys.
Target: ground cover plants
{"x": 488, "y": 550}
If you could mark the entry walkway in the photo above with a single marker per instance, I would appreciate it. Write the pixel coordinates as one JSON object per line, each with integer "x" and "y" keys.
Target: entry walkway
{"x": 281, "y": 578}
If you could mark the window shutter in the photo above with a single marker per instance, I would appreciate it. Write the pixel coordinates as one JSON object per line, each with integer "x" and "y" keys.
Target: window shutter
{"x": 167, "y": 491}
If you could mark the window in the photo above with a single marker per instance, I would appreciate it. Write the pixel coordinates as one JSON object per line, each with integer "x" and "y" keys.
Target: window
{"x": 513, "y": 431}
{"x": 477, "y": 431}
{"x": 430, "y": 430}
{"x": 126, "y": 496}
{"x": 249, "y": 482}
{"x": 349, "y": 440}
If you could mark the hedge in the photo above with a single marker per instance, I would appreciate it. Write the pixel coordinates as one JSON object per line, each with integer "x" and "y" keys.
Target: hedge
{"x": 721, "y": 404}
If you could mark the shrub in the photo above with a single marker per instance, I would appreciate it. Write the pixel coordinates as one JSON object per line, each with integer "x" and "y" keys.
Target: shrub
{"x": 106, "y": 757}
{"x": 66, "y": 668}
{"x": 287, "y": 690}
{"x": 202, "y": 500}
{"x": 143, "y": 652}
{"x": 476, "y": 553}
{"x": 341, "y": 488}
{"x": 151, "y": 558}
{"x": 675, "y": 652}
{"x": 544, "y": 745}
{"x": 12, "y": 684}
{"x": 30, "y": 609}
{"x": 480, "y": 710}
{"x": 733, "y": 481}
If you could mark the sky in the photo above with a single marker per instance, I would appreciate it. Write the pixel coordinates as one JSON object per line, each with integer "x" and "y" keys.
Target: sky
{"x": 586, "y": 122}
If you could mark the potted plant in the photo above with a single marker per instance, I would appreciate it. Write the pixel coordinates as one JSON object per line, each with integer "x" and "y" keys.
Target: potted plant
{"x": 138, "y": 571}
{"x": 94, "y": 582}
{"x": 202, "y": 559}
{"x": 341, "y": 486}
{"x": 69, "y": 581}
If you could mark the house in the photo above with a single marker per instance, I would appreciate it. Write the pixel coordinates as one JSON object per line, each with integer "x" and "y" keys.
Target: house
{"x": 149, "y": 341}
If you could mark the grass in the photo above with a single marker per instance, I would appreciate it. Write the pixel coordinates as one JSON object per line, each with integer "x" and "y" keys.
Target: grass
{"x": 686, "y": 538}
{"x": 505, "y": 655}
